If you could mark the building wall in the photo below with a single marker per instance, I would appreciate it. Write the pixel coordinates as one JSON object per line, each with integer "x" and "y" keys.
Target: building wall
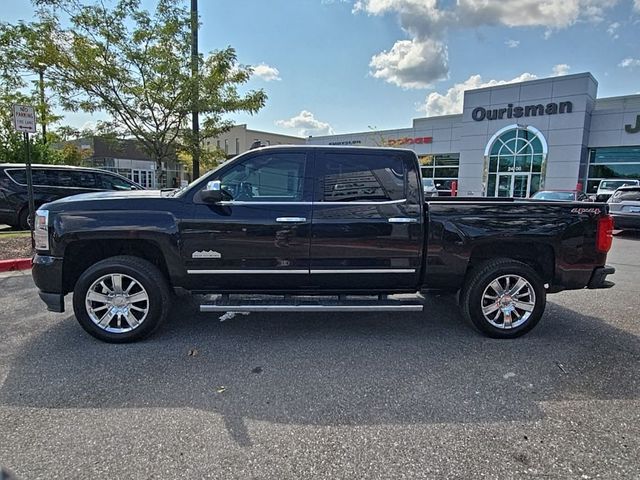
{"x": 239, "y": 139}
{"x": 608, "y": 121}
{"x": 566, "y": 134}
{"x": 571, "y": 138}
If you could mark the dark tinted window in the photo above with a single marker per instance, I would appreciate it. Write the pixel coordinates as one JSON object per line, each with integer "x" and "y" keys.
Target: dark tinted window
{"x": 111, "y": 182}
{"x": 83, "y": 179}
{"x": 347, "y": 177}
{"x": 18, "y": 175}
{"x": 266, "y": 178}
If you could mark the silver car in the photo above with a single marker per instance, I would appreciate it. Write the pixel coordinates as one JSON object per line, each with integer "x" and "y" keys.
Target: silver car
{"x": 429, "y": 187}
{"x": 624, "y": 207}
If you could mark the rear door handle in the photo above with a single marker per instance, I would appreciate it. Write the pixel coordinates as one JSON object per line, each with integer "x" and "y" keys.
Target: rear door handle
{"x": 291, "y": 219}
{"x": 403, "y": 220}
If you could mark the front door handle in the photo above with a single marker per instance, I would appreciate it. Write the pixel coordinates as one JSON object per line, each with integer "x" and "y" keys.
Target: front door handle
{"x": 403, "y": 220}
{"x": 291, "y": 219}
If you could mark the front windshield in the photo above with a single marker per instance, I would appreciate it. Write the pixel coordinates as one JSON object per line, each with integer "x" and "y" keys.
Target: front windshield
{"x": 560, "y": 196}
{"x": 612, "y": 185}
{"x": 198, "y": 182}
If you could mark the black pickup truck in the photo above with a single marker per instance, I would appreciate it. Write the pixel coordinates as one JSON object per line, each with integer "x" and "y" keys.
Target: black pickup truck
{"x": 313, "y": 229}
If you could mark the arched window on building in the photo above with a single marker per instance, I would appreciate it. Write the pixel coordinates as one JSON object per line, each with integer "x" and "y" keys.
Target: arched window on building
{"x": 515, "y": 160}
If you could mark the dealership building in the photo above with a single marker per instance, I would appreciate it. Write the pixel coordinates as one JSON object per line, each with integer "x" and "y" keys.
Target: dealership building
{"x": 516, "y": 139}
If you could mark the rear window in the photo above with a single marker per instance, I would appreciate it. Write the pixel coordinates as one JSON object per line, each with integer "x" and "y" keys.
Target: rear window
{"x": 361, "y": 177}
{"x": 560, "y": 196}
{"x": 17, "y": 175}
{"x": 631, "y": 195}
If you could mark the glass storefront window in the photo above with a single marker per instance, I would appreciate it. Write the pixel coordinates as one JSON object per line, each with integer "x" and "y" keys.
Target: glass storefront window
{"x": 611, "y": 163}
{"x": 443, "y": 168}
{"x": 515, "y": 163}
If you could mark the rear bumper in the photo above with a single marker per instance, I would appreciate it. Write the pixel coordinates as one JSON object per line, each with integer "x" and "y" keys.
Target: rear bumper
{"x": 599, "y": 277}
{"x": 47, "y": 275}
{"x": 621, "y": 221}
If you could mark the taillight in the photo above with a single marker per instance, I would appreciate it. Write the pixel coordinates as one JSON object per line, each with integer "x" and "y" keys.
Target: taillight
{"x": 604, "y": 234}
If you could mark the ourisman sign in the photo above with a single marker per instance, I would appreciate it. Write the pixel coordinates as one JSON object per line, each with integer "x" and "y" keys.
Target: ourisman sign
{"x": 480, "y": 113}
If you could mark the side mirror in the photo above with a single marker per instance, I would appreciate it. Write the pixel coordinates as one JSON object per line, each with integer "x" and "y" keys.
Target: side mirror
{"x": 213, "y": 192}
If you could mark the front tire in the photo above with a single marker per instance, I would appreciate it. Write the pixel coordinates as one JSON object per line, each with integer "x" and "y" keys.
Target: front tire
{"x": 121, "y": 299}
{"x": 503, "y": 298}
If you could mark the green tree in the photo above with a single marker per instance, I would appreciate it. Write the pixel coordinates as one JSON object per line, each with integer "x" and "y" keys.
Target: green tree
{"x": 135, "y": 65}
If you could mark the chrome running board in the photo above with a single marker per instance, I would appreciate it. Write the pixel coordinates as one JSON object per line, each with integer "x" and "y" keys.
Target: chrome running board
{"x": 306, "y": 303}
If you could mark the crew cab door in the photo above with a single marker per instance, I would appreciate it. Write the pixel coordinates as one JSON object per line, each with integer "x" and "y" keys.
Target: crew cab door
{"x": 367, "y": 230}
{"x": 259, "y": 237}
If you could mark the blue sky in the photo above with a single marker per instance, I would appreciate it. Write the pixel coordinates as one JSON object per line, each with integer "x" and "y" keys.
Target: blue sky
{"x": 344, "y": 66}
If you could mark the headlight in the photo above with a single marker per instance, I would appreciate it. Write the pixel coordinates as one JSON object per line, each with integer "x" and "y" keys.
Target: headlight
{"x": 41, "y": 230}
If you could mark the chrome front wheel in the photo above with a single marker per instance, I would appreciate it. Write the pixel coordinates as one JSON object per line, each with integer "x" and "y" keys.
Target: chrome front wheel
{"x": 121, "y": 299}
{"x": 117, "y": 303}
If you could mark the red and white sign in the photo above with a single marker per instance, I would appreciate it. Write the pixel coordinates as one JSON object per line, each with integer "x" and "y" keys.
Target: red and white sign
{"x": 24, "y": 118}
{"x": 408, "y": 141}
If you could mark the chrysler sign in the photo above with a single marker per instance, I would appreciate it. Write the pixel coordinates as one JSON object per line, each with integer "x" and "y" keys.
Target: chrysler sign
{"x": 553, "y": 108}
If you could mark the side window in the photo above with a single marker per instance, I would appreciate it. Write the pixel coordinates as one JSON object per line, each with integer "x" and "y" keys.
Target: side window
{"x": 60, "y": 178}
{"x": 82, "y": 179}
{"x": 110, "y": 182}
{"x": 347, "y": 177}
{"x": 17, "y": 175}
{"x": 41, "y": 176}
{"x": 270, "y": 177}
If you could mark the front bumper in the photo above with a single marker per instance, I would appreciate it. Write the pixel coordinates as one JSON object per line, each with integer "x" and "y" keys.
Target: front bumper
{"x": 47, "y": 275}
{"x": 599, "y": 277}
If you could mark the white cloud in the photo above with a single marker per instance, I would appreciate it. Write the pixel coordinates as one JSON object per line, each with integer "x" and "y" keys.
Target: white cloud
{"x": 560, "y": 69}
{"x": 422, "y": 59}
{"x": 612, "y": 29}
{"x": 636, "y": 5}
{"x": 411, "y": 63}
{"x": 629, "y": 63}
{"x": 266, "y": 72}
{"x": 306, "y": 124}
{"x": 512, "y": 43}
{"x": 451, "y": 102}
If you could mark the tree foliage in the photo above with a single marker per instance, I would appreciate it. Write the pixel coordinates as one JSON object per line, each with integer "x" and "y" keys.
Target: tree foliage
{"x": 135, "y": 65}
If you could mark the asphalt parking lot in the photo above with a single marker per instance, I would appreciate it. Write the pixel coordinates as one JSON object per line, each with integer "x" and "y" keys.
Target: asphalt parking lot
{"x": 327, "y": 396}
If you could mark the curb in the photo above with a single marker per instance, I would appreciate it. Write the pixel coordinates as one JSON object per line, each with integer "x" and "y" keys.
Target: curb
{"x": 15, "y": 264}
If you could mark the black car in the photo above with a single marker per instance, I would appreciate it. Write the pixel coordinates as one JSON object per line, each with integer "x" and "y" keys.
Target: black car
{"x": 50, "y": 182}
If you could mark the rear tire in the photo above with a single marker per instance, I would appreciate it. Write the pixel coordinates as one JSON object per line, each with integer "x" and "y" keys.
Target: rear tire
{"x": 503, "y": 298}
{"x": 121, "y": 299}
{"x": 23, "y": 219}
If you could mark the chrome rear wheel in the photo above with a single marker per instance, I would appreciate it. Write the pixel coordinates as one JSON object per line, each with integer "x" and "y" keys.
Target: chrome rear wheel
{"x": 508, "y": 301}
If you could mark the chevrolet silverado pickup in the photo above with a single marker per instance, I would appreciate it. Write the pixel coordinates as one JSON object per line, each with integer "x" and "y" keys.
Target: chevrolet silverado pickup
{"x": 301, "y": 228}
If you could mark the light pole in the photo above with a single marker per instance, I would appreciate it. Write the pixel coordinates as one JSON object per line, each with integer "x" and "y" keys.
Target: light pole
{"x": 195, "y": 121}
{"x": 43, "y": 106}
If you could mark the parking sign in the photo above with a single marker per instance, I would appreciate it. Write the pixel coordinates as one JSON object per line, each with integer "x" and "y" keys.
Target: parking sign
{"x": 24, "y": 118}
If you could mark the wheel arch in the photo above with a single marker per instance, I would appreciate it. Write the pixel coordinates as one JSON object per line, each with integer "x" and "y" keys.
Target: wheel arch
{"x": 81, "y": 254}
{"x": 539, "y": 256}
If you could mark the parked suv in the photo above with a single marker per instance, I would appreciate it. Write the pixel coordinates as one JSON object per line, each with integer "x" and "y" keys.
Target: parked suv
{"x": 624, "y": 206}
{"x": 50, "y": 182}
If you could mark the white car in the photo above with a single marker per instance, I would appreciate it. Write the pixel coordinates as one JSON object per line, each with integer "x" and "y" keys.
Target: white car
{"x": 429, "y": 187}
{"x": 607, "y": 187}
